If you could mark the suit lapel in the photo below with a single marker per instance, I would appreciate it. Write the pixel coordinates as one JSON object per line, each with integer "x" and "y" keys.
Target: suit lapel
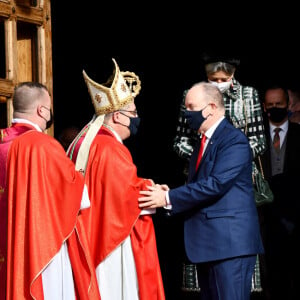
{"x": 217, "y": 133}
{"x": 209, "y": 147}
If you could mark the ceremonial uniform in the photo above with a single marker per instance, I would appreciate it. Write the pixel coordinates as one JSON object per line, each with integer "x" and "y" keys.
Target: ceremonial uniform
{"x": 121, "y": 235}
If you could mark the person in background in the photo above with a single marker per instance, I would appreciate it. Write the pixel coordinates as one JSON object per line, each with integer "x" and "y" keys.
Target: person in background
{"x": 294, "y": 105}
{"x": 121, "y": 235}
{"x": 281, "y": 165}
{"x": 67, "y": 136}
{"x": 221, "y": 226}
{"x": 242, "y": 108}
{"x": 42, "y": 196}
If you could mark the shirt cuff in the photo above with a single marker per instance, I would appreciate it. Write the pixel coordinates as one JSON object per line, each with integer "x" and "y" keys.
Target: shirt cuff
{"x": 149, "y": 211}
{"x": 169, "y": 205}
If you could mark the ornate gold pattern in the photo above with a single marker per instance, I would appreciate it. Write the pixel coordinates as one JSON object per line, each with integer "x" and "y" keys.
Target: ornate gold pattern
{"x": 123, "y": 87}
{"x": 118, "y": 91}
{"x": 98, "y": 98}
{"x": 133, "y": 82}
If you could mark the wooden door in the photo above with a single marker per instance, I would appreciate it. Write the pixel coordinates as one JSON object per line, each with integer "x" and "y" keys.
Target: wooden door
{"x": 25, "y": 49}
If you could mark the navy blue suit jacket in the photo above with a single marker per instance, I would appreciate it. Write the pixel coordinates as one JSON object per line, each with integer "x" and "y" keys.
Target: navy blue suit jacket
{"x": 221, "y": 217}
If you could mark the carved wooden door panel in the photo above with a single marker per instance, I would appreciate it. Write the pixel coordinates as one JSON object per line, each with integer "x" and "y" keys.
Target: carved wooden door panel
{"x": 25, "y": 49}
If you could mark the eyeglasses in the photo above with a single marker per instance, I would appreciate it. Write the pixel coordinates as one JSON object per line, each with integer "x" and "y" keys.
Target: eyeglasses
{"x": 134, "y": 112}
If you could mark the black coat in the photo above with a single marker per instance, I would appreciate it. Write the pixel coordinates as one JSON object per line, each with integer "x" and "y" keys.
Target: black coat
{"x": 281, "y": 218}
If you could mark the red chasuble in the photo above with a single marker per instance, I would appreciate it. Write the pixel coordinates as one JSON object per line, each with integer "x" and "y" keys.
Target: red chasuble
{"x": 44, "y": 195}
{"x": 7, "y": 135}
{"x": 114, "y": 186}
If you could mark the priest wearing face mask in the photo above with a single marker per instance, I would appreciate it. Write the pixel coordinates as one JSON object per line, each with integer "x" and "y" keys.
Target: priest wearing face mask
{"x": 281, "y": 164}
{"x": 121, "y": 235}
{"x": 43, "y": 253}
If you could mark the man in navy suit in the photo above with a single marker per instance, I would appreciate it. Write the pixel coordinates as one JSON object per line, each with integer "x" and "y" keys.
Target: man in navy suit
{"x": 280, "y": 224}
{"x": 221, "y": 227}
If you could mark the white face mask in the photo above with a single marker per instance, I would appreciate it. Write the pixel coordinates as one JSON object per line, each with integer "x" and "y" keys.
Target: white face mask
{"x": 222, "y": 86}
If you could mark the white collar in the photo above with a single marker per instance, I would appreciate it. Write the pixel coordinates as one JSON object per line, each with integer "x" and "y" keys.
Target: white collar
{"x": 20, "y": 120}
{"x": 212, "y": 129}
{"x": 284, "y": 128}
{"x": 113, "y": 132}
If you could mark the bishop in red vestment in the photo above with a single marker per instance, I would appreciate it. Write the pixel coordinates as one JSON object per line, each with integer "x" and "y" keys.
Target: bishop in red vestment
{"x": 113, "y": 186}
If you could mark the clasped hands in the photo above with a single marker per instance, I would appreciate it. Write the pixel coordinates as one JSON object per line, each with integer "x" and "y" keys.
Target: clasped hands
{"x": 154, "y": 197}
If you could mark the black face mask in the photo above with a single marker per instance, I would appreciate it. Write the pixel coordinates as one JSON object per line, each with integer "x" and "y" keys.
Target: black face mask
{"x": 194, "y": 118}
{"x": 50, "y": 121}
{"x": 134, "y": 123}
{"x": 277, "y": 114}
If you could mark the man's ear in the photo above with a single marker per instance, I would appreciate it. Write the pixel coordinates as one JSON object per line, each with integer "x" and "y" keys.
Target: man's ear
{"x": 115, "y": 116}
{"x": 213, "y": 106}
{"x": 39, "y": 109}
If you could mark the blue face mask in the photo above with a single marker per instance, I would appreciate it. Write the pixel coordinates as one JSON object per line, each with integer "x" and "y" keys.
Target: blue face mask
{"x": 194, "y": 118}
{"x": 134, "y": 125}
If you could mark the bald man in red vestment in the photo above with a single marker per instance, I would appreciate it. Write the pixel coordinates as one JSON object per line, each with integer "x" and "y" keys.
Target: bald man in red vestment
{"x": 41, "y": 202}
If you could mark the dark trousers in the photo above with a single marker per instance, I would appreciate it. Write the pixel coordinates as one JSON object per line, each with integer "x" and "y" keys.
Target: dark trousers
{"x": 228, "y": 279}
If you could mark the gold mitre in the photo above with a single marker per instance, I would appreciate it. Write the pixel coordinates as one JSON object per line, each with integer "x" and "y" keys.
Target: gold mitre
{"x": 119, "y": 90}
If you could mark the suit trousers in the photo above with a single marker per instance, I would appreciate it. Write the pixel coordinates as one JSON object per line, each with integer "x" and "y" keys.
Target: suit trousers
{"x": 228, "y": 279}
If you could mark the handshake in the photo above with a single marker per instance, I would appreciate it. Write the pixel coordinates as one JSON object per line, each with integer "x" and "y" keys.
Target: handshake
{"x": 155, "y": 196}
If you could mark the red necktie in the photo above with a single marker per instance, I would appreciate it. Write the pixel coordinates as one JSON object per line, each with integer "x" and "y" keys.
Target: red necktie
{"x": 276, "y": 139}
{"x": 203, "y": 139}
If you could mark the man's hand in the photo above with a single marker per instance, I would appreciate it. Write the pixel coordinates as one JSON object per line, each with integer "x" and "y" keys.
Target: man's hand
{"x": 154, "y": 197}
